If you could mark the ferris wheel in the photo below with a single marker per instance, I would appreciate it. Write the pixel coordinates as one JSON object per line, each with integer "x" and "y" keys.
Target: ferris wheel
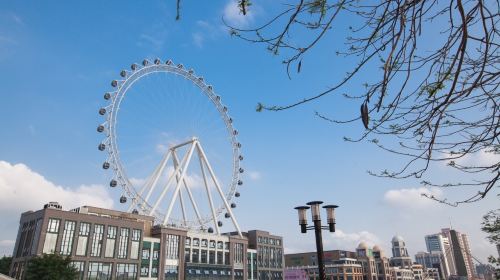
{"x": 175, "y": 159}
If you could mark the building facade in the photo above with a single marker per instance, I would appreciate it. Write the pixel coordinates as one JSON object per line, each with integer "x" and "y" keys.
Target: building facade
{"x": 108, "y": 244}
{"x": 400, "y": 256}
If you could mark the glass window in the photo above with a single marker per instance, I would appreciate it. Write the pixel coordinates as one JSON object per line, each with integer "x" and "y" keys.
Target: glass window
{"x": 144, "y": 271}
{"x": 220, "y": 257}
{"x": 68, "y": 235}
{"x": 196, "y": 256}
{"x": 172, "y": 247}
{"x": 226, "y": 246}
{"x": 204, "y": 243}
{"x": 123, "y": 243}
{"x": 80, "y": 266}
{"x": 203, "y": 256}
{"x": 188, "y": 241}
{"x": 220, "y": 245}
{"x": 145, "y": 254}
{"x": 111, "y": 242}
{"x": 126, "y": 271}
{"x": 134, "y": 248}
{"x": 211, "y": 257}
{"x": 212, "y": 244}
{"x": 51, "y": 237}
{"x": 83, "y": 236}
{"x": 196, "y": 242}
{"x": 95, "y": 250}
{"x": 99, "y": 271}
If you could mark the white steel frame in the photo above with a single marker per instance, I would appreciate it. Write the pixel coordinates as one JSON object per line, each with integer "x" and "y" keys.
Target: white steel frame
{"x": 140, "y": 198}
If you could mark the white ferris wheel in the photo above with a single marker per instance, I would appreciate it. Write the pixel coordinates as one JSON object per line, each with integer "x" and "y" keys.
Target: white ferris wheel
{"x": 171, "y": 146}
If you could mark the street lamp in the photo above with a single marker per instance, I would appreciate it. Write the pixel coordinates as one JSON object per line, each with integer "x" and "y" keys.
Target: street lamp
{"x": 316, "y": 217}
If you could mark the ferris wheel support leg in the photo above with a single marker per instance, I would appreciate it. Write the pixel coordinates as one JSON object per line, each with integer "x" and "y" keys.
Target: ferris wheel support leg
{"x": 153, "y": 178}
{"x": 181, "y": 199}
{"x": 214, "y": 216}
{"x": 221, "y": 193}
{"x": 191, "y": 198}
{"x": 157, "y": 177}
{"x": 177, "y": 188}
{"x": 167, "y": 186}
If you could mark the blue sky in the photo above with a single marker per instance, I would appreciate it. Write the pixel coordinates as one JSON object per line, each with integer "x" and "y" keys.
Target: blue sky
{"x": 58, "y": 58}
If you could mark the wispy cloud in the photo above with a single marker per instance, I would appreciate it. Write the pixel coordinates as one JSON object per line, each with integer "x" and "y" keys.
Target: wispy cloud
{"x": 205, "y": 31}
{"x": 411, "y": 198}
{"x": 254, "y": 175}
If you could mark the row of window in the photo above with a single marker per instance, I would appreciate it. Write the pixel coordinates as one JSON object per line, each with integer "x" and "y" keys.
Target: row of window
{"x": 84, "y": 238}
{"x": 103, "y": 271}
{"x": 268, "y": 240}
{"x": 205, "y": 243}
{"x": 205, "y": 256}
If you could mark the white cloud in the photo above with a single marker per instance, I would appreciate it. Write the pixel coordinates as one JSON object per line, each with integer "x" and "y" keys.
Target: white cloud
{"x": 254, "y": 175}
{"x": 411, "y": 198}
{"x": 233, "y": 16}
{"x": 339, "y": 240}
{"x": 23, "y": 189}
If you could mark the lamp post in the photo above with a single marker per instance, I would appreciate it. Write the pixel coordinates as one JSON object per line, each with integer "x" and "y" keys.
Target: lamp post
{"x": 316, "y": 218}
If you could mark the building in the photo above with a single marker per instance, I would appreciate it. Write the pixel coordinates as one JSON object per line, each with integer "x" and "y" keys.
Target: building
{"x": 108, "y": 244}
{"x": 384, "y": 270}
{"x": 438, "y": 247}
{"x": 399, "y": 273}
{"x": 433, "y": 261}
{"x": 460, "y": 250}
{"x": 341, "y": 269}
{"x": 400, "y": 255}
{"x": 418, "y": 271}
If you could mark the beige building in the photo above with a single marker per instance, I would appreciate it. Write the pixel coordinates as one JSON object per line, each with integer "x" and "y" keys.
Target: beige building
{"x": 106, "y": 244}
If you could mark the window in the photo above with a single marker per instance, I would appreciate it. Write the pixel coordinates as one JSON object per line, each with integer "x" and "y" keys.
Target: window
{"x": 188, "y": 241}
{"x": 212, "y": 244}
{"x": 226, "y": 247}
{"x": 99, "y": 271}
{"x": 211, "y": 257}
{"x": 134, "y": 249}
{"x": 83, "y": 236}
{"x": 196, "y": 242}
{"x": 51, "y": 237}
{"x": 171, "y": 272}
{"x": 156, "y": 254}
{"x": 238, "y": 253}
{"x": 145, "y": 254}
{"x": 144, "y": 271}
{"x": 226, "y": 258}
{"x": 203, "y": 256}
{"x": 196, "y": 256}
{"x": 220, "y": 257}
{"x": 80, "y": 268}
{"x": 204, "y": 243}
{"x": 126, "y": 271}
{"x": 123, "y": 243}
{"x": 187, "y": 255}
{"x": 110, "y": 242}
{"x": 95, "y": 250}
{"x": 220, "y": 245}
{"x": 172, "y": 247}
{"x": 68, "y": 235}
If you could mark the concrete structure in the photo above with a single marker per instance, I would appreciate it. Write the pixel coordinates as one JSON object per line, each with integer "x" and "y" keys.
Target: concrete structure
{"x": 342, "y": 269}
{"x": 399, "y": 273}
{"x": 400, "y": 255}
{"x": 440, "y": 244}
{"x": 434, "y": 260}
{"x": 108, "y": 244}
{"x": 462, "y": 256}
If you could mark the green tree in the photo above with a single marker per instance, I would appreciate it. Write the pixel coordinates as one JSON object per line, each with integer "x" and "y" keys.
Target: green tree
{"x": 491, "y": 226}
{"x": 425, "y": 73}
{"x": 51, "y": 267}
{"x": 5, "y": 265}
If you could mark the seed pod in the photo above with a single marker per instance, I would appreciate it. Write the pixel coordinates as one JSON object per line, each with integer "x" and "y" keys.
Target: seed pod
{"x": 364, "y": 114}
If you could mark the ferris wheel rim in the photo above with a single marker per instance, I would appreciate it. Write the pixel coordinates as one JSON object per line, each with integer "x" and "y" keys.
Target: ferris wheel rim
{"x": 117, "y": 96}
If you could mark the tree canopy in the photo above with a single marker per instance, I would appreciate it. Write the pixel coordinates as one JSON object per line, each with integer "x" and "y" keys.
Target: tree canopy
{"x": 433, "y": 82}
{"x": 50, "y": 267}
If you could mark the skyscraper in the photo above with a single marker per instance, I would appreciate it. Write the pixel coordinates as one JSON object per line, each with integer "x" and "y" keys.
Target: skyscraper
{"x": 460, "y": 249}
